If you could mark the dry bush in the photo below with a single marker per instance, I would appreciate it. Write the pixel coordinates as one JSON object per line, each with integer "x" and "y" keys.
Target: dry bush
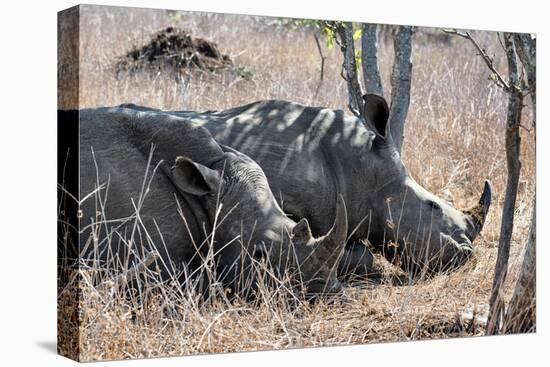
{"x": 453, "y": 142}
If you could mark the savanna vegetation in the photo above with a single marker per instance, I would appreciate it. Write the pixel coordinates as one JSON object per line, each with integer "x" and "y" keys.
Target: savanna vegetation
{"x": 454, "y": 140}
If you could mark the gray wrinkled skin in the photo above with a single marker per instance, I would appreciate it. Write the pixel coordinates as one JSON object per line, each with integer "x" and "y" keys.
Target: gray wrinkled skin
{"x": 312, "y": 154}
{"x": 197, "y": 173}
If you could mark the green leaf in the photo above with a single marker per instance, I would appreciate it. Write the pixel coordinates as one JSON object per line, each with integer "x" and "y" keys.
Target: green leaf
{"x": 329, "y": 33}
{"x": 357, "y": 34}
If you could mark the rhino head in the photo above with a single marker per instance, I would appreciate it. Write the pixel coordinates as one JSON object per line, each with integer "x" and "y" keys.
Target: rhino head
{"x": 253, "y": 230}
{"x": 423, "y": 230}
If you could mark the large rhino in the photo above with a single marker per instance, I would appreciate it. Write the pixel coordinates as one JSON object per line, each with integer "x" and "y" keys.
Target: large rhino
{"x": 197, "y": 193}
{"x": 312, "y": 154}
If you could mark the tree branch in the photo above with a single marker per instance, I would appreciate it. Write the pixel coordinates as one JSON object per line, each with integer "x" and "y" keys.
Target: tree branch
{"x": 496, "y": 77}
{"x": 323, "y": 59}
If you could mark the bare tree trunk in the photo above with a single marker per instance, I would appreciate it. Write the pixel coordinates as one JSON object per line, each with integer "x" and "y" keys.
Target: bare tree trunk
{"x": 526, "y": 49}
{"x": 345, "y": 31}
{"x": 400, "y": 84}
{"x": 369, "y": 59}
{"x": 401, "y": 73}
{"x": 521, "y": 313}
{"x": 513, "y": 121}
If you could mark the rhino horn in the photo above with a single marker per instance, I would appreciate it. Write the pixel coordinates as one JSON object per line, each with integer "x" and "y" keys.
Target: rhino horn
{"x": 478, "y": 213}
{"x": 335, "y": 240}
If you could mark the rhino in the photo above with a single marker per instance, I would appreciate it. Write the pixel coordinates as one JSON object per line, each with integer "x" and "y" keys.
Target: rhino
{"x": 190, "y": 196}
{"x": 312, "y": 154}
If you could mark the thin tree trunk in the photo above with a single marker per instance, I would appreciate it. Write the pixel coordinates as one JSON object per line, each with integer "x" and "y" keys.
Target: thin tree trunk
{"x": 400, "y": 84}
{"x": 513, "y": 121}
{"x": 369, "y": 59}
{"x": 345, "y": 32}
{"x": 526, "y": 49}
{"x": 521, "y": 313}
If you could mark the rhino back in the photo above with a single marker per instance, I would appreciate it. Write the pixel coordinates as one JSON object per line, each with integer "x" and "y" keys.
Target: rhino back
{"x": 307, "y": 153}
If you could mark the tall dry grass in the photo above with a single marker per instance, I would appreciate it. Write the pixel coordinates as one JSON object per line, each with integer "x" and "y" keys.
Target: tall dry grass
{"x": 454, "y": 141}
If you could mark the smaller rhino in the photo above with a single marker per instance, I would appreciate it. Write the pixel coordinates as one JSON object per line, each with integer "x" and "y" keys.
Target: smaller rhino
{"x": 203, "y": 198}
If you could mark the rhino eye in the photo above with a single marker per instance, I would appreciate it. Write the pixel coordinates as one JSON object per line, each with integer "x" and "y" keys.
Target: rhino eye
{"x": 434, "y": 205}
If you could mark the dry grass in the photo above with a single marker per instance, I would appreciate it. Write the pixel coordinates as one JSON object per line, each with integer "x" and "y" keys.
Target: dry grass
{"x": 454, "y": 140}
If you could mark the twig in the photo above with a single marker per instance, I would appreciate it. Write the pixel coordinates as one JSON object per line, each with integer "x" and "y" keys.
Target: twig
{"x": 131, "y": 273}
{"x": 528, "y": 129}
{"x": 323, "y": 59}
{"x": 499, "y": 80}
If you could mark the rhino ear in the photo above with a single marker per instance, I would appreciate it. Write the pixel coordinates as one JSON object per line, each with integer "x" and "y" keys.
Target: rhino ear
{"x": 194, "y": 178}
{"x": 376, "y": 112}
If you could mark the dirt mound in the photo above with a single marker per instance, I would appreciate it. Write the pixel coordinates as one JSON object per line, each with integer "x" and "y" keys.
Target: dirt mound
{"x": 174, "y": 49}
